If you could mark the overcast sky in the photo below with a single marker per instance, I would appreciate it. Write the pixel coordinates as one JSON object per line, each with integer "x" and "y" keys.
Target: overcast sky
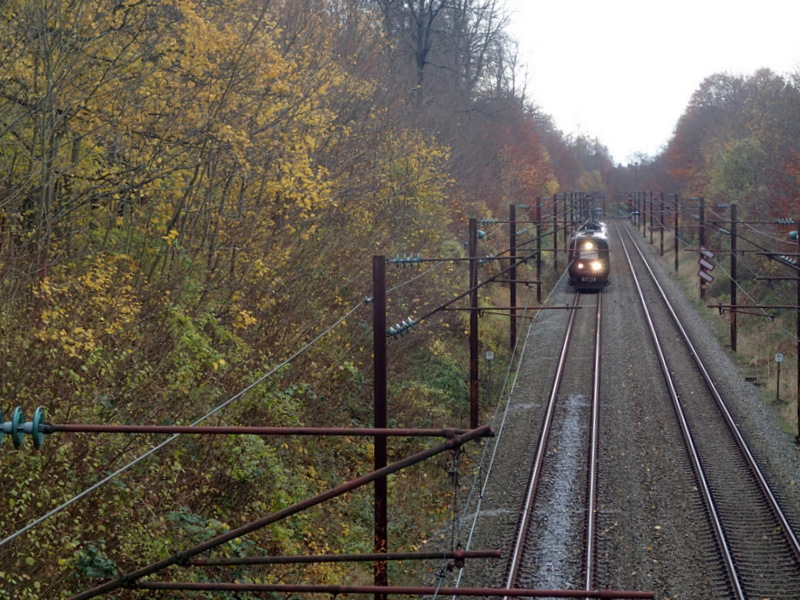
{"x": 623, "y": 70}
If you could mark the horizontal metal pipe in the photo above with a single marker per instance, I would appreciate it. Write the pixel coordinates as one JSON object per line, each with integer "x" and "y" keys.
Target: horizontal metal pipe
{"x": 399, "y": 590}
{"x": 243, "y": 430}
{"x": 323, "y": 558}
{"x": 130, "y": 579}
{"x": 532, "y": 308}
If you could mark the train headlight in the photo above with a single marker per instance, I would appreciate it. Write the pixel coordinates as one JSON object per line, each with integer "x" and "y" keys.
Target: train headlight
{"x": 588, "y": 246}
{"x": 580, "y": 266}
{"x": 596, "y": 266}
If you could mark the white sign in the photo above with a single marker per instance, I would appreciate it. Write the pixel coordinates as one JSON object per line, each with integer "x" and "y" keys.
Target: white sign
{"x": 779, "y": 358}
{"x": 706, "y": 265}
{"x": 707, "y": 277}
{"x": 706, "y": 252}
{"x": 489, "y": 355}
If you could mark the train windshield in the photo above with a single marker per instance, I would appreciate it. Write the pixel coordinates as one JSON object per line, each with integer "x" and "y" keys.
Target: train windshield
{"x": 588, "y": 250}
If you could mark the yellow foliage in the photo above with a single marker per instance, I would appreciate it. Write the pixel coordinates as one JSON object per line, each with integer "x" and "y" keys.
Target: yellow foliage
{"x": 96, "y": 308}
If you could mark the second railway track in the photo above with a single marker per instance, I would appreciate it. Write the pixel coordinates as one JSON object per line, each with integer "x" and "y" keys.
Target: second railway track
{"x": 653, "y": 529}
{"x": 755, "y": 543}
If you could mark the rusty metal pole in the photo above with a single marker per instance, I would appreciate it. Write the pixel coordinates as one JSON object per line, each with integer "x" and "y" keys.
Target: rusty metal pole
{"x": 652, "y": 218}
{"x": 555, "y": 233}
{"x": 512, "y": 275}
{"x": 661, "y": 226}
{"x": 643, "y": 214}
{"x": 539, "y": 250}
{"x": 473, "y": 323}
{"x": 702, "y": 241}
{"x": 131, "y": 579}
{"x": 797, "y": 332}
{"x": 677, "y": 243}
{"x": 734, "y": 282}
{"x": 567, "y": 222}
{"x": 381, "y": 577}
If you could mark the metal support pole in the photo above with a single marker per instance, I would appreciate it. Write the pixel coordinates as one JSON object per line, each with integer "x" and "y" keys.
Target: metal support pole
{"x": 555, "y": 233}
{"x": 381, "y": 577}
{"x": 512, "y": 289}
{"x": 661, "y": 226}
{"x": 702, "y": 241}
{"x": 652, "y": 219}
{"x": 132, "y": 578}
{"x": 734, "y": 281}
{"x": 539, "y": 250}
{"x": 473, "y": 323}
{"x": 677, "y": 243}
{"x": 797, "y": 333}
{"x": 566, "y": 224}
{"x": 643, "y": 214}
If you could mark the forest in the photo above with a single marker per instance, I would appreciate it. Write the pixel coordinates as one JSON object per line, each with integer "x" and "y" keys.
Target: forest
{"x": 191, "y": 194}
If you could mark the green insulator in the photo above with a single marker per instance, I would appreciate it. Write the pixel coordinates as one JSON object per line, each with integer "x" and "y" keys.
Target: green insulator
{"x": 17, "y": 423}
{"x": 36, "y": 434}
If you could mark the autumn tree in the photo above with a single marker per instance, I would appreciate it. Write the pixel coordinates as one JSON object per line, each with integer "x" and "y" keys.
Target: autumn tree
{"x": 735, "y": 142}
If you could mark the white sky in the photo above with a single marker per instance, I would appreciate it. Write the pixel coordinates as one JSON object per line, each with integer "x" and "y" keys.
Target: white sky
{"x": 623, "y": 71}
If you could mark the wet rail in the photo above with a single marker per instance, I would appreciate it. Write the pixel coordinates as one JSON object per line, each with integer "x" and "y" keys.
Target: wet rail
{"x": 756, "y": 542}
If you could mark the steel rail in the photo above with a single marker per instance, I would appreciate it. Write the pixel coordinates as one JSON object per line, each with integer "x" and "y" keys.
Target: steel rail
{"x": 594, "y": 444}
{"x": 731, "y": 423}
{"x": 694, "y": 455}
{"x": 533, "y": 479}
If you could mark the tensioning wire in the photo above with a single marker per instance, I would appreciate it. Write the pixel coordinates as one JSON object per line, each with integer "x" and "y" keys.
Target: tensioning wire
{"x": 172, "y": 438}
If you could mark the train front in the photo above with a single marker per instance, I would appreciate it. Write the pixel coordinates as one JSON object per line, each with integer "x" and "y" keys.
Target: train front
{"x": 589, "y": 264}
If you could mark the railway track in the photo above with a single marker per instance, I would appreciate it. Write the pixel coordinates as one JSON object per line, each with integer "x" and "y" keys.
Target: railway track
{"x": 756, "y": 546}
{"x": 559, "y": 505}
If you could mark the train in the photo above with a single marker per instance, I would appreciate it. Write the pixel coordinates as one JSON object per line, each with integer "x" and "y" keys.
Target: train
{"x": 589, "y": 265}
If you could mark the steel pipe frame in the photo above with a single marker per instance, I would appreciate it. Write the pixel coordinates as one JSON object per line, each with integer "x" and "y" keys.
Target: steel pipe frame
{"x": 458, "y": 555}
{"x": 131, "y": 579}
{"x": 244, "y": 430}
{"x": 406, "y": 591}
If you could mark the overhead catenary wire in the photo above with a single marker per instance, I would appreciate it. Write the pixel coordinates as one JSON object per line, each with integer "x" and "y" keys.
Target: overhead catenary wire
{"x": 722, "y": 218}
{"x": 172, "y": 438}
{"x": 102, "y": 482}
